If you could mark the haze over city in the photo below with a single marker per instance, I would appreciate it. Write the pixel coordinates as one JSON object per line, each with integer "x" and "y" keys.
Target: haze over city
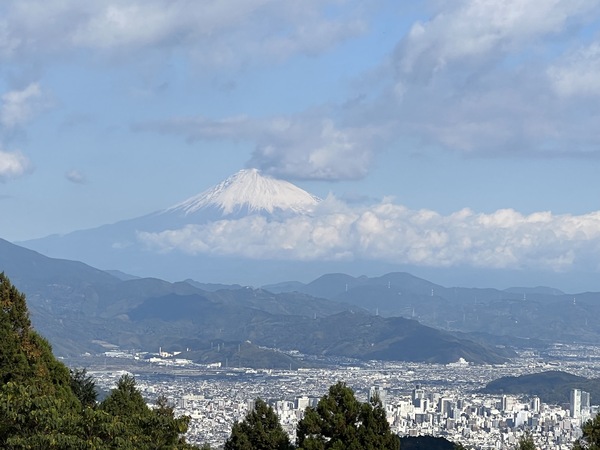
{"x": 456, "y": 140}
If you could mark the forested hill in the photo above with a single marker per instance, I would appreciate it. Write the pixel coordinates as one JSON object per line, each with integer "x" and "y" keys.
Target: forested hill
{"x": 552, "y": 386}
{"x": 81, "y": 309}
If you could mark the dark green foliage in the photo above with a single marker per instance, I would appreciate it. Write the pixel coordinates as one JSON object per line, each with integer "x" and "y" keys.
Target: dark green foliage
{"x": 44, "y": 406}
{"x": 340, "y": 422}
{"x": 133, "y": 425}
{"x": 526, "y": 443}
{"x": 552, "y": 386}
{"x": 457, "y": 446}
{"x": 428, "y": 443}
{"x": 31, "y": 418}
{"x": 84, "y": 387}
{"x": 25, "y": 357}
{"x": 37, "y": 407}
{"x": 260, "y": 430}
{"x": 591, "y": 435}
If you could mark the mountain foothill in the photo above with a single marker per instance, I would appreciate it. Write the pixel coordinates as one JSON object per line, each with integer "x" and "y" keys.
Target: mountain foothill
{"x": 80, "y": 309}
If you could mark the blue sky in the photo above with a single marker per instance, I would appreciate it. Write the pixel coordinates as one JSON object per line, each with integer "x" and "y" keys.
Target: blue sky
{"x": 481, "y": 114}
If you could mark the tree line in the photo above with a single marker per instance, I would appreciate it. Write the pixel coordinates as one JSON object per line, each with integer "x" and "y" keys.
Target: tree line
{"x": 338, "y": 422}
{"x": 44, "y": 405}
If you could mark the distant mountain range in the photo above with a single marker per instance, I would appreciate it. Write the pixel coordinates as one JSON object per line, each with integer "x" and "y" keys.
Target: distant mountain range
{"x": 80, "y": 308}
{"x": 519, "y": 313}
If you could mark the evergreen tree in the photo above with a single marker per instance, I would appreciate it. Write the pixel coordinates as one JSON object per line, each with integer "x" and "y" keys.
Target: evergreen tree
{"x": 591, "y": 435}
{"x": 134, "y": 425}
{"x": 260, "y": 430}
{"x": 44, "y": 406}
{"x": 526, "y": 443}
{"x": 26, "y": 357}
{"x": 84, "y": 387}
{"x": 340, "y": 422}
{"x": 37, "y": 406}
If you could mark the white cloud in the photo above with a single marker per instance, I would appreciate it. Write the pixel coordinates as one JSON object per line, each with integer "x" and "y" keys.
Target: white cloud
{"x": 298, "y": 147}
{"x": 479, "y": 77}
{"x": 473, "y": 32}
{"x": 490, "y": 77}
{"x": 19, "y": 106}
{"x": 314, "y": 149}
{"x": 76, "y": 176}
{"x": 392, "y": 233}
{"x": 578, "y": 73}
{"x": 13, "y": 165}
{"x": 218, "y": 32}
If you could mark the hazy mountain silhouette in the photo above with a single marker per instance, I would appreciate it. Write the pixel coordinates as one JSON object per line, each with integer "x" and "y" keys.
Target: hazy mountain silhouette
{"x": 80, "y": 308}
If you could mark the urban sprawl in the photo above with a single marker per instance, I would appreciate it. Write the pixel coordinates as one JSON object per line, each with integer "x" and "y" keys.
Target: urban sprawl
{"x": 420, "y": 399}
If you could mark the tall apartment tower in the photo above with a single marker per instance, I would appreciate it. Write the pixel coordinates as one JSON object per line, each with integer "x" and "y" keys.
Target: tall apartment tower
{"x": 585, "y": 401}
{"x": 445, "y": 406}
{"x": 379, "y": 392}
{"x": 506, "y": 404}
{"x": 417, "y": 394}
{"x": 575, "y": 407}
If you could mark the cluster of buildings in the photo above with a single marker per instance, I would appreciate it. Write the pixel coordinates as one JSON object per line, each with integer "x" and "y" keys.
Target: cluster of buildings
{"x": 477, "y": 422}
{"x": 485, "y": 422}
{"x": 420, "y": 399}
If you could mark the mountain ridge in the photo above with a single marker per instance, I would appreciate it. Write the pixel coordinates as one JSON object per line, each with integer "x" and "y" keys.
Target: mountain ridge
{"x": 85, "y": 312}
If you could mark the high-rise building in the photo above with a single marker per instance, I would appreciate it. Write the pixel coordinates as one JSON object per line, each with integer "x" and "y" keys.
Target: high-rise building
{"x": 506, "y": 404}
{"x": 585, "y": 401}
{"x": 377, "y": 392}
{"x": 445, "y": 406}
{"x": 417, "y": 394}
{"x": 302, "y": 402}
{"x": 575, "y": 407}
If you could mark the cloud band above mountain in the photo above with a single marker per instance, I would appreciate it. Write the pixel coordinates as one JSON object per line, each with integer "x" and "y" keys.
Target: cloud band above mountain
{"x": 392, "y": 233}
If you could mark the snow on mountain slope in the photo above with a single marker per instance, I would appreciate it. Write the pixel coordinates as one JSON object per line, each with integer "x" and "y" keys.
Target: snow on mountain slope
{"x": 250, "y": 190}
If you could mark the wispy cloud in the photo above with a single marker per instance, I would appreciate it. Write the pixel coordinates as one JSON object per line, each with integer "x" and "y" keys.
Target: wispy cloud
{"x": 484, "y": 77}
{"x": 305, "y": 146}
{"x": 76, "y": 176}
{"x": 19, "y": 106}
{"x": 214, "y": 33}
{"x": 13, "y": 165}
{"x": 390, "y": 232}
{"x": 478, "y": 78}
{"x": 576, "y": 74}
{"x": 468, "y": 35}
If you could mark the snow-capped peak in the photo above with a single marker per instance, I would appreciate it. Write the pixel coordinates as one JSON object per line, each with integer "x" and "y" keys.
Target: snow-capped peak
{"x": 249, "y": 189}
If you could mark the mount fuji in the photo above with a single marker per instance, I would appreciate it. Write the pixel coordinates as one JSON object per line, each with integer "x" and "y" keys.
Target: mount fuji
{"x": 243, "y": 203}
{"x": 247, "y": 192}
